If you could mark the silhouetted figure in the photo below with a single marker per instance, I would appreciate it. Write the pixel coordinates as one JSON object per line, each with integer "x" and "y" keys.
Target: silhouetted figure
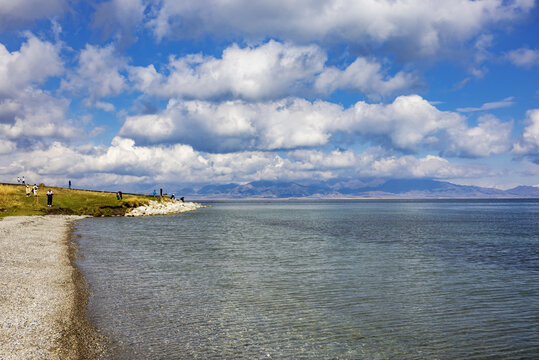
{"x": 161, "y": 192}
{"x": 182, "y": 199}
{"x": 172, "y": 197}
{"x": 117, "y": 195}
{"x": 121, "y": 195}
{"x": 70, "y": 184}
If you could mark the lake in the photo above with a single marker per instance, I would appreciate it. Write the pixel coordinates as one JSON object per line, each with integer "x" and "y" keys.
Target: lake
{"x": 346, "y": 279}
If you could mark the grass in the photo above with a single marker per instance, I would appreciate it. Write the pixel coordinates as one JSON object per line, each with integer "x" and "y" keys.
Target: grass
{"x": 13, "y": 201}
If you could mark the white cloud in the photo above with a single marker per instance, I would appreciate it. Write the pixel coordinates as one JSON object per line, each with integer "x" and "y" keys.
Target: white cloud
{"x": 35, "y": 62}
{"x": 365, "y": 76}
{"x": 124, "y": 162}
{"x": 426, "y": 27}
{"x": 411, "y": 167}
{"x": 15, "y": 13}
{"x": 489, "y": 137}
{"x": 524, "y": 57}
{"x": 528, "y": 143}
{"x": 105, "y": 106}
{"x": 28, "y": 114}
{"x": 315, "y": 159}
{"x": 235, "y": 125}
{"x": 268, "y": 71}
{"x": 490, "y": 105}
{"x": 7, "y": 146}
{"x": 410, "y": 123}
{"x": 34, "y": 114}
{"x": 98, "y": 74}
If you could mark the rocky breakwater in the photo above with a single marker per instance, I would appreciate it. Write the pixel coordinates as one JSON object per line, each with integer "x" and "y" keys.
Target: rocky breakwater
{"x": 163, "y": 208}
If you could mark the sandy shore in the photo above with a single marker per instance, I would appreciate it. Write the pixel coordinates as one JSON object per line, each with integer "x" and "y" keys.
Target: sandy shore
{"x": 42, "y": 295}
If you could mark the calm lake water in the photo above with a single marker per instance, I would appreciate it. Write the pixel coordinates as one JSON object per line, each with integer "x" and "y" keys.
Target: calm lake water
{"x": 318, "y": 280}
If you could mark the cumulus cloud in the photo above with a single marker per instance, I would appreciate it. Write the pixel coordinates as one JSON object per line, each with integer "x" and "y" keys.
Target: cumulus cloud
{"x": 123, "y": 162}
{"x": 14, "y": 13}
{"x": 524, "y": 57}
{"x": 426, "y": 27}
{"x": 35, "y": 61}
{"x": 98, "y": 74}
{"x": 34, "y": 114}
{"x": 528, "y": 144}
{"x": 489, "y": 137}
{"x": 28, "y": 114}
{"x": 235, "y": 125}
{"x": 268, "y": 71}
{"x": 410, "y": 123}
{"x": 365, "y": 76}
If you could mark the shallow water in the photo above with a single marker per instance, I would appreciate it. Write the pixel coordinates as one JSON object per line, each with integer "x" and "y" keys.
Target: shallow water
{"x": 318, "y": 280}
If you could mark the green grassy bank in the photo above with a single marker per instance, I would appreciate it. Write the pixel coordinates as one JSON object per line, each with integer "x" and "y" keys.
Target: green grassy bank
{"x": 14, "y": 202}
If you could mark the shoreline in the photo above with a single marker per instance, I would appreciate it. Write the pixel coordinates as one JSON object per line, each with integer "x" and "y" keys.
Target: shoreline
{"x": 82, "y": 334}
{"x": 43, "y": 295}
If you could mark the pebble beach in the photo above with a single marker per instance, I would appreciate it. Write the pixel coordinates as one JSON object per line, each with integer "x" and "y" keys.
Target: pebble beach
{"x": 42, "y": 294}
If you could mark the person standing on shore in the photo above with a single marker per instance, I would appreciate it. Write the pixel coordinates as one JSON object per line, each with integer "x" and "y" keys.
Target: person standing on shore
{"x": 34, "y": 190}
{"x": 23, "y": 180}
{"x": 70, "y": 184}
{"x": 18, "y": 180}
{"x": 27, "y": 190}
{"x": 49, "y": 197}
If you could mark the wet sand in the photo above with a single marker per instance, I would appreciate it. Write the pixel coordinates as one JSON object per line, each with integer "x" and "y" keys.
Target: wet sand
{"x": 43, "y": 296}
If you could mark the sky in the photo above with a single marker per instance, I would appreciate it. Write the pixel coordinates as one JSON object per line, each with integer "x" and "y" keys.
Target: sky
{"x": 136, "y": 94}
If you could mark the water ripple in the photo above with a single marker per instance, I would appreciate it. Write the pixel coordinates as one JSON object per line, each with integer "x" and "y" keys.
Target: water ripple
{"x": 319, "y": 280}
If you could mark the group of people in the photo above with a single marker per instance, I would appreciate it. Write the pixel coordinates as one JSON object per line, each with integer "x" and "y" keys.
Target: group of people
{"x": 33, "y": 190}
{"x": 172, "y": 197}
{"x": 21, "y": 181}
{"x": 30, "y": 190}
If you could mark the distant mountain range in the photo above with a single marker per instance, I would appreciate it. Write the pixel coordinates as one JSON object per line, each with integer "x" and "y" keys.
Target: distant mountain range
{"x": 357, "y": 188}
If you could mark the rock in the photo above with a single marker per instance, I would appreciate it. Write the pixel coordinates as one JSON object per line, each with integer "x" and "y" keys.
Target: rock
{"x": 163, "y": 208}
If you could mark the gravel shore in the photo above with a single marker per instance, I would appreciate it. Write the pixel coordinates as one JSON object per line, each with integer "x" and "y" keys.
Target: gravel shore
{"x": 42, "y": 295}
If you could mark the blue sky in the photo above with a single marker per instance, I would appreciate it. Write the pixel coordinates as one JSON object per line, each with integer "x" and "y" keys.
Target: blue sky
{"x": 143, "y": 93}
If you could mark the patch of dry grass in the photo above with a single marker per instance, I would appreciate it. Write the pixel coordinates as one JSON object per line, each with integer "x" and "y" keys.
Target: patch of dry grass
{"x": 9, "y": 196}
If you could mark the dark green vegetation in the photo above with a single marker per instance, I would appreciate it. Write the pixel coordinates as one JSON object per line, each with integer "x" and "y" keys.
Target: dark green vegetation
{"x": 13, "y": 201}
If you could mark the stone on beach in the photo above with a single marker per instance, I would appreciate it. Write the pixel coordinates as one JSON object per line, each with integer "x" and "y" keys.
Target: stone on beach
{"x": 163, "y": 208}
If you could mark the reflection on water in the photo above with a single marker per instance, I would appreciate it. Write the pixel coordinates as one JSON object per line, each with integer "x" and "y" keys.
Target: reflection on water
{"x": 319, "y": 280}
